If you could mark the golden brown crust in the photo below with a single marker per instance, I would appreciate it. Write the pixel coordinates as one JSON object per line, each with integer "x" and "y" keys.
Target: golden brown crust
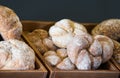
{"x": 36, "y": 37}
{"x": 10, "y": 25}
{"x": 62, "y": 53}
{"x": 116, "y": 51}
{"x": 110, "y": 28}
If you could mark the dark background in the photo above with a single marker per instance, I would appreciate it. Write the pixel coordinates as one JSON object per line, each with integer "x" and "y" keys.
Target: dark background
{"x": 54, "y": 10}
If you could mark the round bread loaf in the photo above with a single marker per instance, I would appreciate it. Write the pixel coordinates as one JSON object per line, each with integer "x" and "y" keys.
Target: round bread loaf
{"x": 10, "y": 25}
{"x": 16, "y": 55}
{"x": 110, "y": 28}
{"x": 64, "y": 30}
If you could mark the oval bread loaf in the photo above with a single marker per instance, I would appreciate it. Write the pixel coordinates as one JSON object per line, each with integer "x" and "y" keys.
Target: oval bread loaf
{"x": 10, "y": 25}
{"x": 16, "y": 55}
{"x": 110, "y": 28}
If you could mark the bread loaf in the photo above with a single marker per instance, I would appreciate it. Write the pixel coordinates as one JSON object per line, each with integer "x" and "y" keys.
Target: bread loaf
{"x": 36, "y": 37}
{"x": 16, "y": 55}
{"x": 110, "y": 28}
{"x": 66, "y": 64}
{"x": 64, "y": 30}
{"x": 10, "y": 25}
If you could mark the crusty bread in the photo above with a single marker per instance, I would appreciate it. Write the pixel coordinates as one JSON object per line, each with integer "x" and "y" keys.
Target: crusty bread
{"x": 41, "y": 33}
{"x": 64, "y": 30}
{"x": 16, "y": 55}
{"x": 110, "y": 28}
{"x": 10, "y": 25}
{"x": 36, "y": 37}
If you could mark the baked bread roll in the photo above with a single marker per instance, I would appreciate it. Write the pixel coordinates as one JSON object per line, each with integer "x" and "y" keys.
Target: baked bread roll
{"x": 110, "y": 28}
{"x": 107, "y": 47}
{"x": 90, "y": 56}
{"x": 62, "y": 53}
{"x": 16, "y": 55}
{"x": 49, "y": 44}
{"x": 10, "y": 25}
{"x": 42, "y": 34}
{"x": 66, "y": 64}
{"x": 37, "y": 37}
{"x": 52, "y": 58}
{"x": 83, "y": 61}
{"x": 75, "y": 46}
{"x": 96, "y": 48}
{"x": 64, "y": 30}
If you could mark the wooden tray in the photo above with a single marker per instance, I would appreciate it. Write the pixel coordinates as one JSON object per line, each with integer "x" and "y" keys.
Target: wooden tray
{"x": 107, "y": 70}
{"x": 39, "y": 72}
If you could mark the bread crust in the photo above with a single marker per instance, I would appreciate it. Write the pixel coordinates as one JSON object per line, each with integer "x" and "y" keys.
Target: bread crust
{"x": 64, "y": 30}
{"x": 16, "y": 55}
{"x": 110, "y": 28}
{"x": 10, "y": 25}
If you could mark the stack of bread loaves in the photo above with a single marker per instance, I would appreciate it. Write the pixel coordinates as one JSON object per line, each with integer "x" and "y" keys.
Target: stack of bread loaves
{"x": 70, "y": 46}
{"x": 14, "y": 54}
{"x": 84, "y": 51}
